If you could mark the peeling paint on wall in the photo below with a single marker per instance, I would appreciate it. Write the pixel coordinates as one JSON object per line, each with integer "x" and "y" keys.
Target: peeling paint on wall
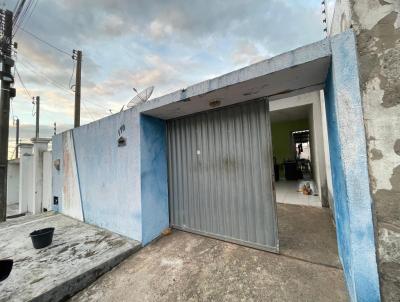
{"x": 71, "y": 194}
{"x": 377, "y": 27}
{"x": 352, "y": 198}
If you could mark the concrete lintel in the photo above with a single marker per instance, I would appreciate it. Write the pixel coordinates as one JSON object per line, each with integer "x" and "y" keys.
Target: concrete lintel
{"x": 40, "y": 140}
{"x": 301, "y": 70}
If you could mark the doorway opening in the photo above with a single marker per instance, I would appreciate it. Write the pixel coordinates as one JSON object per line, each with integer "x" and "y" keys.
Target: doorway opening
{"x": 294, "y": 162}
{"x": 305, "y": 227}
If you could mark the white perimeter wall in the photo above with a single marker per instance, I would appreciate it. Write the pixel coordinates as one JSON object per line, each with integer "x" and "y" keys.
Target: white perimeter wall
{"x": 13, "y": 181}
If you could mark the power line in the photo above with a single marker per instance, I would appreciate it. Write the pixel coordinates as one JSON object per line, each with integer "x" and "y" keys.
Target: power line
{"x": 72, "y": 74}
{"x": 45, "y": 42}
{"x": 88, "y": 112}
{"x": 23, "y": 85}
{"x": 54, "y": 83}
{"x": 33, "y": 9}
{"x": 58, "y": 85}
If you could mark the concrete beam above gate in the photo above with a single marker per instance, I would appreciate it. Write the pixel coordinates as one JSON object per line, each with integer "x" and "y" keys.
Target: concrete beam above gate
{"x": 292, "y": 73}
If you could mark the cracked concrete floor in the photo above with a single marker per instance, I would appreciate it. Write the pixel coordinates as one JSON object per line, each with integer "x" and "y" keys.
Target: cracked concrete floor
{"x": 188, "y": 267}
{"x": 78, "y": 254}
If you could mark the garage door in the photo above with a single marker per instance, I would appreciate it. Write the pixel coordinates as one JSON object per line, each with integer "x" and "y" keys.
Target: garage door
{"x": 220, "y": 175}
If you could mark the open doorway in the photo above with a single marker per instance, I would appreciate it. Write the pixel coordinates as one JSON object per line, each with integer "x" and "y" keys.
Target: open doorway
{"x": 294, "y": 161}
{"x": 306, "y": 230}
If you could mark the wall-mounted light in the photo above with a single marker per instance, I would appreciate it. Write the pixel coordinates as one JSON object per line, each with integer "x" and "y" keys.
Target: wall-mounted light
{"x": 215, "y": 103}
{"x": 121, "y": 141}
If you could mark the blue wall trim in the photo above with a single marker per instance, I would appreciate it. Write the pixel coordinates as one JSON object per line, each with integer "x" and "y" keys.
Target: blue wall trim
{"x": 154, "y": 179}
{"x": 347, "y": 145}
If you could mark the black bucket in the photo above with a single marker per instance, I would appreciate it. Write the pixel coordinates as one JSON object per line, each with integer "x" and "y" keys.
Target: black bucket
{"x": 42, "y": 238}
{"x": 5, "y": 268}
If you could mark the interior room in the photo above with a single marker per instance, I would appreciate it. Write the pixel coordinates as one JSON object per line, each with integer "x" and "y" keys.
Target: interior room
{"x": 294, "y": 158}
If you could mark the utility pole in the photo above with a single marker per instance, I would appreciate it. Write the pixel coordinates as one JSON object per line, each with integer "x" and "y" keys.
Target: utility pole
{"x": 77, "y": 55}
{"x": 6, "y": 80}
{"x": 16, "y": 138}
{"x": 37, "y": 102}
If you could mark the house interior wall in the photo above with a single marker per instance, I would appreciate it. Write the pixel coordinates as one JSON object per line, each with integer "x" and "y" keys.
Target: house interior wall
{"x": 281, "y": 138}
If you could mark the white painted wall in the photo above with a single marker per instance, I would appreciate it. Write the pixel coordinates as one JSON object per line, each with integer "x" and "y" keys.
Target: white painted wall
{"x": 39, "y": 146}
{"x": 13, "y": 181}
{"x": 25, "y": 178}
{"x": 327, "y": 159}
{"x": 47, "y": 180}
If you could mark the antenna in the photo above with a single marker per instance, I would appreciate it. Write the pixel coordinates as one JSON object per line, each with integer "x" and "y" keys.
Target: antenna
{"x": 141, "y": 97}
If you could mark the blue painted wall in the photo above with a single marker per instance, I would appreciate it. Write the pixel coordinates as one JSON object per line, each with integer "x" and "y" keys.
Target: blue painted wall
{"x": 109, "y": 175}
{"x": 347, "y": 145}
{"x": 123, "y": 188}
{"x": 154, "y": 179}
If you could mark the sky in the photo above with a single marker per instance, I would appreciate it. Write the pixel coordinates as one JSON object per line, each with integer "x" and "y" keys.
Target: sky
{"x": 168, "y": 44}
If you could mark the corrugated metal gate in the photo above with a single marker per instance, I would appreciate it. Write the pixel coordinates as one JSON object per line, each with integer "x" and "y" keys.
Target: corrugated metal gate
{"x": 220, "y": 175}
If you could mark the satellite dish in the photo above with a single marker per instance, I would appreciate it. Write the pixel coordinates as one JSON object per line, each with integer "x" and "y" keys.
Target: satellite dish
{"x": 141, "y": 97}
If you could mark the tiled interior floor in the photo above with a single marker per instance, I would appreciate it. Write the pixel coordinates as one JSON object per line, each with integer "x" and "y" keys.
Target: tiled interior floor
{"x": 286, "y": 192}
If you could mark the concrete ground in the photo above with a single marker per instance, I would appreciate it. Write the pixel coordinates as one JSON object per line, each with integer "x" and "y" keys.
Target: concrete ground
{"x": 188, "y": 267}
{"x": 78, "y": 255}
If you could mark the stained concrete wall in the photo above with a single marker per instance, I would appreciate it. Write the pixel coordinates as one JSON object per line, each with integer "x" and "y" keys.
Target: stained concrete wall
{"x": 47, "y": 181}
{"x": 25, "y": 178}
{"x": 107, "y": 176}
{"x": 153, "y": 177}
{"x": 377, "y": 27}
{"x": 352, "y": 198}
{"x": 113, "y": 174}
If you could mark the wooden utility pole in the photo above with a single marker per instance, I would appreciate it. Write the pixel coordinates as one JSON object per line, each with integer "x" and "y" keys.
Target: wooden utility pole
{"x": 16, "y": 137}
{"x": 78, "y": 57}
{"x": 6, "y": 80}
{"x": 37, "y": 102}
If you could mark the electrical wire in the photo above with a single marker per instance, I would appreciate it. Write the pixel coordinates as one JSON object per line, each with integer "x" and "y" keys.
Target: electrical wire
{"x": 45, "y": 42}
{"x": 23, "y": 85}
{"x": 88, "y": 112}
{"x": 54, "y": 83}
{"x": 72, "y": 74}
{"x": 30, "y": 15}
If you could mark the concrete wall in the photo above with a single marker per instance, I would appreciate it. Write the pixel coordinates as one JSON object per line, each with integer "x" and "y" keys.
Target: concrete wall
{"x": 107, "y": 188}
{"x": 377, "y": 27}
{"x": 118, "y": 186}
{"x": 154, "y": 177}
{"x": 13, "y": 181}
{"x": 283, "y": 148}
{"x": 26, "y": 179}
{"x": 47, "y": 180}
{"x": 352, "y": 199}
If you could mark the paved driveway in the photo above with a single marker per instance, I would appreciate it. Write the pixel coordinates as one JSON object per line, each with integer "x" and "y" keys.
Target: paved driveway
{"x": 188, "y": 267}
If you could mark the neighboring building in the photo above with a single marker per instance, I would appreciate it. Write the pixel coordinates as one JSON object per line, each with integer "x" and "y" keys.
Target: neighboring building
{"x": 201, "y": 159}
{"x": 12, "y": 181}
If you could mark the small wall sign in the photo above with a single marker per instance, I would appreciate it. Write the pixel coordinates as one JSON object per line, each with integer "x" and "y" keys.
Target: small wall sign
{"x": 121, "y": 139}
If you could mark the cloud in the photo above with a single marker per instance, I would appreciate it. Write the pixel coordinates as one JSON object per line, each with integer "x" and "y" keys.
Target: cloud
{"x": 246, "y": 53}
{"x": 166, "y": 43}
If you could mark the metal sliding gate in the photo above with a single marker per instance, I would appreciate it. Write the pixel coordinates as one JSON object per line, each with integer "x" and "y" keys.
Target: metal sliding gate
{"x": 220, "y": 175}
